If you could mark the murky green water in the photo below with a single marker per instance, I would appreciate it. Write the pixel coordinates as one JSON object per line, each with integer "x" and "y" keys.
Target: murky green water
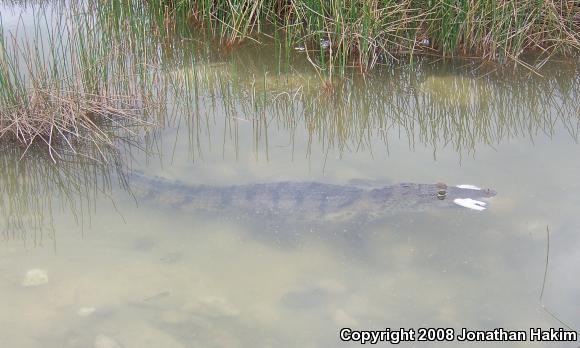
{"x": 137, "y": 273}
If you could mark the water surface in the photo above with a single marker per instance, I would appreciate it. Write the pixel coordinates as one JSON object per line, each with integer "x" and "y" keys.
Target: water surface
{"x": 144, "y": 274}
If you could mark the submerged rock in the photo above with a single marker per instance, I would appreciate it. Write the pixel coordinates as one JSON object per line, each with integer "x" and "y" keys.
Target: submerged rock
{"x": 102, "y": 341}
{"x": 86, "y": 311}
{"x": 35, "y": 277}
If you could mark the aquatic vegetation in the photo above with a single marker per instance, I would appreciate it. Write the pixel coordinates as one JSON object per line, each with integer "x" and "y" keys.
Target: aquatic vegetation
{"x": 55, "y": 86}
{"x": 339, "y": 33}
{"x": 100, "y": 71}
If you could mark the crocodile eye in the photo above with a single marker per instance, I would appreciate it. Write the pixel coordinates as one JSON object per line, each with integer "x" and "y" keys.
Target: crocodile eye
{"x": 441, "y": 194}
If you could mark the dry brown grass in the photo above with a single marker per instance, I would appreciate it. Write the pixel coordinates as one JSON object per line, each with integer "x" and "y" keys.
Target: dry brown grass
{"x": 62, "y": 118}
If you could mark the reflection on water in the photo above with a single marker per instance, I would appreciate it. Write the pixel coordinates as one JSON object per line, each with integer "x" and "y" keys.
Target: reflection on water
{"x": 435, "y": 104}
{"x": 33, "y": 188}
{"x": 124, "y": 270}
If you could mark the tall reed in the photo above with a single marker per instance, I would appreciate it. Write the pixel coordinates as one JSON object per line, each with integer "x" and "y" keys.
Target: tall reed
{"x": 362, "y": 33}
{"x": 55, "y": 85}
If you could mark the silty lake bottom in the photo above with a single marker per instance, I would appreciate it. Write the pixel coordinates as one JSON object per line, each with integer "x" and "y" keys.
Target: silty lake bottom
{"x": 85, "y": 261}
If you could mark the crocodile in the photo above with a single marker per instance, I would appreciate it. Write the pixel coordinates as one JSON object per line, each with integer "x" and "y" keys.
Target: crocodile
{"x": 306, "y": 201}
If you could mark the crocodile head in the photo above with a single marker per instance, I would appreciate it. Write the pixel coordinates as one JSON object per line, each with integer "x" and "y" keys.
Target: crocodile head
{"x": 467, "y": 196}
{"x": 426, "y": 196}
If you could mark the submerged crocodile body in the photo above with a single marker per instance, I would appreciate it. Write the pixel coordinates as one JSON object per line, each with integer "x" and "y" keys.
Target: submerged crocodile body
{"x": 306, "y": 201}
